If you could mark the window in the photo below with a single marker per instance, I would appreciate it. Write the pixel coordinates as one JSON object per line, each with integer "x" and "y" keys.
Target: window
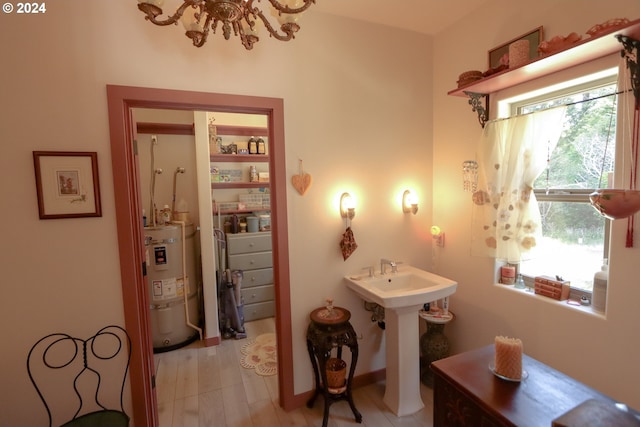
{"x": 575, "y": 236}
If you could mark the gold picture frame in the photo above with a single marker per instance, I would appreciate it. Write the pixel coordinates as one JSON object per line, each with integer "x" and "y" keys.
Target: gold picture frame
{"x": 535, "y": 37}
{"x": 67, "y": 184}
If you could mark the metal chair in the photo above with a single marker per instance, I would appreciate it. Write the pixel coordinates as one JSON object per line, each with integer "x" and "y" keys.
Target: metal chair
{"x": 65, "y": 369}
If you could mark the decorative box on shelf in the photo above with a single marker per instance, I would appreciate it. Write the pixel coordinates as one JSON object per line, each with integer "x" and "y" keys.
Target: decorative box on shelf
{"x": 230, "y": 175}
{"x": 225, "y": 206}
{"x": 250, "y": 201}
{"x": 552, "y": 288}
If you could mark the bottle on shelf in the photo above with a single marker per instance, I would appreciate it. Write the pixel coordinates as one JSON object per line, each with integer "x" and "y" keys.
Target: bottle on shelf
{"x": 235, "y": 224}
{"x": 157, "y": 214}
{"x": 600, "y": 282}
{"x": 165, "y": 214}
{"x": 262, "y": 148}
{"x": 253, "y": 145}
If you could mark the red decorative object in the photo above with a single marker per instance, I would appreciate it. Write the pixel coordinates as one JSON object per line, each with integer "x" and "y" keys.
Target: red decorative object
{"x": 608, "y": 26}
{"x": 348, "y": 243}
{"x": 558, "y": 43}
{"x": 616, "y": 204}
{"x": 469, "y": 77}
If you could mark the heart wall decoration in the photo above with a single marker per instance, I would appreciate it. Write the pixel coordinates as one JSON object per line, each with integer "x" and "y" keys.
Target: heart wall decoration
{"x": 301, "y": 181}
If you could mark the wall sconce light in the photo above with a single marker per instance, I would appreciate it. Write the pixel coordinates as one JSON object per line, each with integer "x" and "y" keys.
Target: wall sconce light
{"x": 347, "y": 206}
{"x": 438, "y": 235}
{"x": 409, "y": 202}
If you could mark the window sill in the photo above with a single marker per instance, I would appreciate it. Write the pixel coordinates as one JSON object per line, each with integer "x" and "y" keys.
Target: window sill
{"x": 528, "y": 293}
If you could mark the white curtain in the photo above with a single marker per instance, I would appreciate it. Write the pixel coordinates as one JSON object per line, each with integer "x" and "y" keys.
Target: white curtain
{"x": 511, "y": 155}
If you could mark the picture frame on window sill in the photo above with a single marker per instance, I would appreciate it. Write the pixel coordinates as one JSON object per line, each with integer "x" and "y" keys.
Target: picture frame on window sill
{"x": 67, "y": 184}
{"x": 535, "y": 37}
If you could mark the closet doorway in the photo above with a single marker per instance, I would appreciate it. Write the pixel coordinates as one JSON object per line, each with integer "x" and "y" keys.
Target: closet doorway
{"x": 127, "y": 191}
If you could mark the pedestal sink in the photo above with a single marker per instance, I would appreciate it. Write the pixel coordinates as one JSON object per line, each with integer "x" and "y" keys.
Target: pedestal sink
{"x": 402, "y": 294}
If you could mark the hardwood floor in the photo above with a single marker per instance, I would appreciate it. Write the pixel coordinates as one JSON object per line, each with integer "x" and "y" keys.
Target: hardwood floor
{"x": 206, "y": 386}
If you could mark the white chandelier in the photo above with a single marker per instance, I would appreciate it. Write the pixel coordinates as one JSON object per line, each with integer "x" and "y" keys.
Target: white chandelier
{"x": 239, "y": 16}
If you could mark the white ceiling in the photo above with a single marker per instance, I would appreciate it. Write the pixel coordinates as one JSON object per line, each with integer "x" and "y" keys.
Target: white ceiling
{"x": 423, "y": 16}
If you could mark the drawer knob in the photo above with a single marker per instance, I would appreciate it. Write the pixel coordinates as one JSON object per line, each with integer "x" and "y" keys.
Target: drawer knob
{"x": 251, "y": 245}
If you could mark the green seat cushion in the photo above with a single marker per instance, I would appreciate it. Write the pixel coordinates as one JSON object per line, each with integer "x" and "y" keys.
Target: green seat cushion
{"x": 106, "y": 418}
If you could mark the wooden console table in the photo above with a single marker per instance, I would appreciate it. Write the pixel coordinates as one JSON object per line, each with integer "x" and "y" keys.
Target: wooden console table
{"x": 466, "y": 393}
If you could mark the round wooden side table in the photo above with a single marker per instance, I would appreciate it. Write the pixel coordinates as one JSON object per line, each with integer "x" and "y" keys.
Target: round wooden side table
{"x": 330, "y": 329}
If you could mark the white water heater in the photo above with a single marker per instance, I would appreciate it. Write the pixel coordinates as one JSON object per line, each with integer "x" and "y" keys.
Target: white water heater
{"x": 174, "y": 280}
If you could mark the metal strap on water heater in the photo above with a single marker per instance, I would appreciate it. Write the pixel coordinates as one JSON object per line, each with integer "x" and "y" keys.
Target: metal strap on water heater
{"x": 148, "y": 240}
{"x": 171, "y": 304}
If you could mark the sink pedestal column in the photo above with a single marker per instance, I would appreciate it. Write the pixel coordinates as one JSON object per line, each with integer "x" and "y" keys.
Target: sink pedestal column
{"x": 402, "y": 392}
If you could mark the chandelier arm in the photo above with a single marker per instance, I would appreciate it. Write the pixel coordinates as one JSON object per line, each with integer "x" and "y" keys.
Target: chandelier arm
{"x": 283, "y": 8}
{"x": 200, "y": 37}
{"x": 152, "y": 12}
{"x": 248, "y": 40}
{"x": 289, "y": 28}
{"x": 228, "y": 12}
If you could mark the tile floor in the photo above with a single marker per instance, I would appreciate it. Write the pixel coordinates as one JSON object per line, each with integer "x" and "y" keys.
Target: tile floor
{"x": 206, "y": 386}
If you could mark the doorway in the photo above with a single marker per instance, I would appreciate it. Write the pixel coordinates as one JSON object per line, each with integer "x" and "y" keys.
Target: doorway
{"x": 121, "y": 100}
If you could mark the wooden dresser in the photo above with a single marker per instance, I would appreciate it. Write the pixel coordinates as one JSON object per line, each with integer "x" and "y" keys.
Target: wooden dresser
{"x": 466, "y": 393}
{"x": 251, "y": 253}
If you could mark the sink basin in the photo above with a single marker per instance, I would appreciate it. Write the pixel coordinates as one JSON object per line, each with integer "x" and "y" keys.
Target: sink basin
{"x": 402, "y": 295}
{"x": 408, "y": 287}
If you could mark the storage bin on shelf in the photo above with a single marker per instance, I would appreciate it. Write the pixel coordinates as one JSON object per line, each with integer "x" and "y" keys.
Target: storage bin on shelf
{"x": 336, "y": 370}
{"x": 552, "y": 288}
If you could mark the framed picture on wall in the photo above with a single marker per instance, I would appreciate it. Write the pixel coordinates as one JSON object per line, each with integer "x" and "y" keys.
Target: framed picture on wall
{"x": 67, "y": 184}
{"x": 534, "y": 37}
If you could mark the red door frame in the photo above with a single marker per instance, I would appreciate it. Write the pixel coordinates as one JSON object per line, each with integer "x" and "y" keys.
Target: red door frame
{"x": 121, "y": 99}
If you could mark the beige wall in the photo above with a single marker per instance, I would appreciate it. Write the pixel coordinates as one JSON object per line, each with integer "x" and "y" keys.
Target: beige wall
{"x": 357, "y": 112}
{"x": 599, "y": 352}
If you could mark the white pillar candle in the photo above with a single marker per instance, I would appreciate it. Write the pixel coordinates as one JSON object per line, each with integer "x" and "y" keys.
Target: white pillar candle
{"x": 508, "y": 357}
{"x": 518, "y": 53}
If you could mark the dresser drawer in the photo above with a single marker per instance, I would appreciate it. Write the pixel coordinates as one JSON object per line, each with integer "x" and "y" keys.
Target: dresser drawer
{"x": 259, "y": 310}
{"x": 262, "y": 276}
{"x": 257, "y": 294}
{"x": 250, "y": 261}
{"x": 248, "y": 242}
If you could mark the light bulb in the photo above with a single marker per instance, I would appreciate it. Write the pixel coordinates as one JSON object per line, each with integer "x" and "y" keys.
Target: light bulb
{"x": 158, "y": 3}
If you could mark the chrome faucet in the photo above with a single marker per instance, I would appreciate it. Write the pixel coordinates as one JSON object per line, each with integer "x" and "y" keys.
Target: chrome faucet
{"x": 393, "y": 264}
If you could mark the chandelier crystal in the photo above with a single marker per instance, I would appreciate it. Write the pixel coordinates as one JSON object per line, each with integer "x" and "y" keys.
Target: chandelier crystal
{"x": 239, "y": 17}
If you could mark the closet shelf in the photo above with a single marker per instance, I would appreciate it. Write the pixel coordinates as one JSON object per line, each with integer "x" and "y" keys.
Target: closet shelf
{"x": 239, "y": 158}
{"x": 239, "y": 211}
{"x": 234, "y": 184}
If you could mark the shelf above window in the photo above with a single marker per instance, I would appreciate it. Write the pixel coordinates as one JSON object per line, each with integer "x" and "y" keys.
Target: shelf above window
{"x": 586, "y": 50}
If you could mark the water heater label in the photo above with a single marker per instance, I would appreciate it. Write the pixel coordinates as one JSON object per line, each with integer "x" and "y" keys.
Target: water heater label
{"x": 180, "y": 287}
{"x": 160, "y": 257}
{"x": 165, "y": 289}
{"x": 157, "y": 289}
